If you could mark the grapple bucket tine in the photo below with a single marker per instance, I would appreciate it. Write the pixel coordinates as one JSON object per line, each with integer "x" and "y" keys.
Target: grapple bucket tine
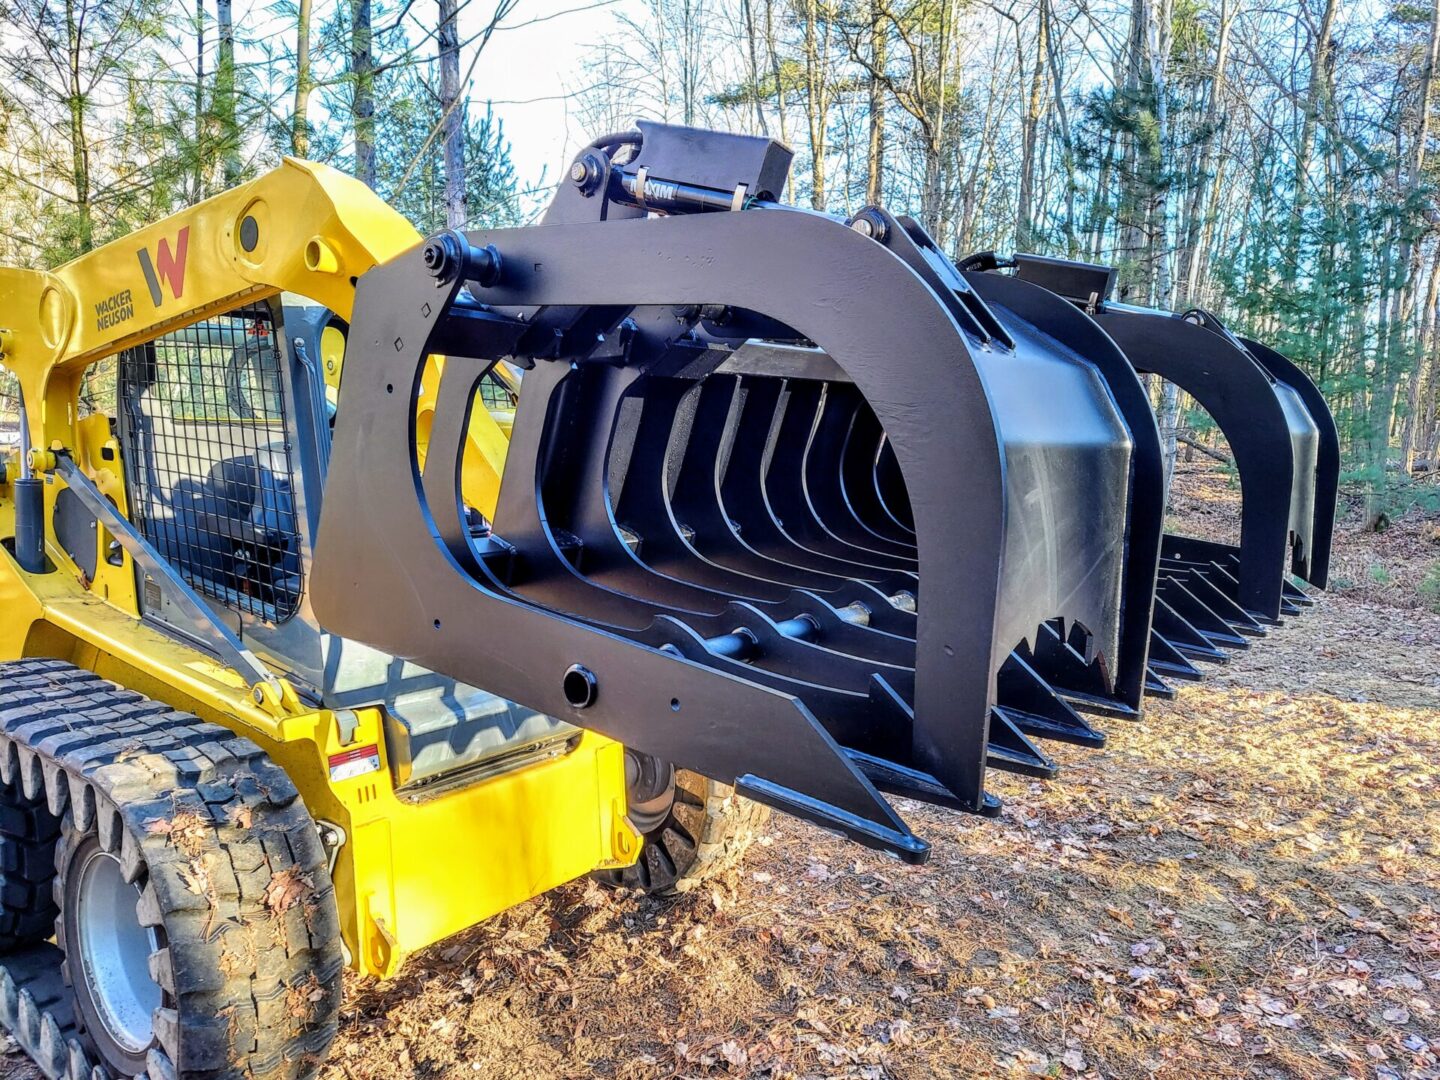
{"x": 1168, "y": 661}
{"x": 1199, "y": 586}
{"x": 1010, "y": 750}
{"x": 1078, "y": 682}
{"x": 769, "y": 454}
{"x": 865, "y": 455}
{"x": 1194, "y": 611}
{"x": 814, "y": 424}
{"x": 1298, "y": 597}
{"x": 890, "y": 489}
{"x": 1037, "y": 711}
{"x": 1155, "y": 686}
{"x": 846, "y": 439}
{"x": 1178, "y": 630}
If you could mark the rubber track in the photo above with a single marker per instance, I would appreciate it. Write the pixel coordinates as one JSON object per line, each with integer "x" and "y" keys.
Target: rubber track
{"x": 28, "y": 832}
{"x": 212, "y": 827}
{"x": 707, "y": 831}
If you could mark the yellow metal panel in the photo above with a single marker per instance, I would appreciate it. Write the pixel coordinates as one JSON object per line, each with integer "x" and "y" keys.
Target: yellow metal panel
{"x": 484, "y": 462}
{"x": 302, "y": 228}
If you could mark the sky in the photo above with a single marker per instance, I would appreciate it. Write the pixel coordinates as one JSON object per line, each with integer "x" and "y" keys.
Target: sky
{"x": 531, "y": 63}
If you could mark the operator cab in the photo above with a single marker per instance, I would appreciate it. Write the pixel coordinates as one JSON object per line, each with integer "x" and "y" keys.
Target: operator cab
{"x": 224, "y": 427}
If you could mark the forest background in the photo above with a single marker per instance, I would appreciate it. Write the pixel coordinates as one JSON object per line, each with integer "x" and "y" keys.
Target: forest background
{"x": 1271, "y": 163}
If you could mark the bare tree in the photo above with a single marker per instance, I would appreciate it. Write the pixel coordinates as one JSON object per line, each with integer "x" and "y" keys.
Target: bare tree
{"x": 453, "y": 114}
{"x": 362, "y": 108}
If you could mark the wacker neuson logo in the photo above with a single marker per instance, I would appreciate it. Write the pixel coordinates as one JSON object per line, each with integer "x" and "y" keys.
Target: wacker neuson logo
{"x": 167, "y": 267}
{"x": 113, "y": 310}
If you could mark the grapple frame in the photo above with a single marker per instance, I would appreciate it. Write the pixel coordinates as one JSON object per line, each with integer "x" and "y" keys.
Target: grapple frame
{"x": 680, "y": 363}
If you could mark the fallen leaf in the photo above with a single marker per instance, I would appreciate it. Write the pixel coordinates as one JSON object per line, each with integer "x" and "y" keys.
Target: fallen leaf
{"x": 286, "y": 889}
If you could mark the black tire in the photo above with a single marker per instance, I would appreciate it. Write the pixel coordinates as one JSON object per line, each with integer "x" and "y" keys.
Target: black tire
{"x": 705, "y": 831}
{"x": 228, "y": 872}
{"x": 28, "y": 832}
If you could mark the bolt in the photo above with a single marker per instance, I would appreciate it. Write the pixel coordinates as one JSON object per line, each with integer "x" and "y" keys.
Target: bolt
{"x": 869, "y": 223}
{"x": 450, "y": 254}
{"x": 585, "y": 174}
{"x": 440, "y": 256}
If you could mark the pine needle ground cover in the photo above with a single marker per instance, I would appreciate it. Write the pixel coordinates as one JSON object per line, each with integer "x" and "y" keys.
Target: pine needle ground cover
{"x": 1246, "y": 884}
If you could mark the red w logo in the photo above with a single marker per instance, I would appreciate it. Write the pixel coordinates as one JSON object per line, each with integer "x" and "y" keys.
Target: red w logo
{"x": 169, "y": 266}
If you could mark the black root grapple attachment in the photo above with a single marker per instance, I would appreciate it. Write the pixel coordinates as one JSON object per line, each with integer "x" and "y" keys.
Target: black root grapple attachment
{"x": 786, "y": 502}
{"x": 1213, "y": 597}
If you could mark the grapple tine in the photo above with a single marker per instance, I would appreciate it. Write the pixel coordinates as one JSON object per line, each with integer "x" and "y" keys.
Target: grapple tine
{"x": 1194, "y": 611}
{"x": 1184, "y": 636}
{"x": 1168, "y": 661}
{"x": 1010, "y": 749}
{"x": 864, "y": 462}
{"x": 1199, "y": 586}
{"x": 1037, "y": 710}
{"x": 1155, "y": 686}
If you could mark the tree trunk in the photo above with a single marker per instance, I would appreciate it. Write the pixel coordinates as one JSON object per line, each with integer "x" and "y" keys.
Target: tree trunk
{"x": 1030, "y": 133}
{"x": 816, "y": 94}
{"x": 1067, "y": 145}
{"x": 1132, "y": 203}
{"x": 79, "y": 141}
{"x": 202, "y": 150}
{"x": 224, "y": 106}
{"x": 1158, "y": 42}
{"x": 1394, "y": 346}
{"x": 777, "y": 72}
{"x": 454, "y": 113}
{"x": 300, "y": 123}
{"x": 1314, "y": 105}
{"x": 1423, "y": 359}
{"x": 362, "y": 109}
{"x": 747, "y": 13}
{"x": 1200, "y": 193}
{"x": 875, "y": 153}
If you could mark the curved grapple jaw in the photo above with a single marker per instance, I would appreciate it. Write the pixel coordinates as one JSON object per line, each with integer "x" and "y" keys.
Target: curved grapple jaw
{"x": 792, "y": 506}
{"x": 1212, "y": 597}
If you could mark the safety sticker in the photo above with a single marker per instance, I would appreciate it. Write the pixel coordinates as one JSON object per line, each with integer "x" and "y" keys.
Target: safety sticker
{"x": 353, "y": 763}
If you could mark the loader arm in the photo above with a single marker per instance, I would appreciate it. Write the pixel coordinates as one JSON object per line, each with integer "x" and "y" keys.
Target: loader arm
{"x": 302, "y": 228}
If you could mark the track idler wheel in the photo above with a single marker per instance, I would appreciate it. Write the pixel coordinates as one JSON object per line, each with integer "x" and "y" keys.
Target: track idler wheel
{"x": 693, "y": 827}
{"x": 197, "y": 930}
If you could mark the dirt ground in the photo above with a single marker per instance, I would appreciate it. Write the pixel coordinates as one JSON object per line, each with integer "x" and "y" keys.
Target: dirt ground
{"x": 1245, "y": 884}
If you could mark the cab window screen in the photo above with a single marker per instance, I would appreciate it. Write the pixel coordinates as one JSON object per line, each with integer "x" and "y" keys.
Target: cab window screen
{"x": 208, "y": 460}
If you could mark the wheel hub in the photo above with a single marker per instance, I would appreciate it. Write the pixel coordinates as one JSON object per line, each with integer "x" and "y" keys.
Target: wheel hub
{"x": 649, "y": 790}
{"x": 114, "y": 952}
